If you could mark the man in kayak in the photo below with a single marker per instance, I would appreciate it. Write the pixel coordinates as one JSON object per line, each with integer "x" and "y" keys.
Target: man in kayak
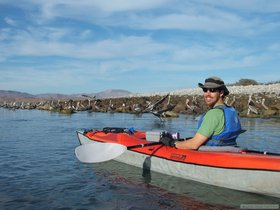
{"x": 219, "y": 126}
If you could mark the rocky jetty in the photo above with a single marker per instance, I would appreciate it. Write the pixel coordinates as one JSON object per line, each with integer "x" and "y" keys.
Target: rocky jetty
{"x": 250, "y": 101}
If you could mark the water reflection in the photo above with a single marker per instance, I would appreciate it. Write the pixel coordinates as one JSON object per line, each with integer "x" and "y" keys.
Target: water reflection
{"x": 189, "y": 193}
{"x": 261, "y": 135}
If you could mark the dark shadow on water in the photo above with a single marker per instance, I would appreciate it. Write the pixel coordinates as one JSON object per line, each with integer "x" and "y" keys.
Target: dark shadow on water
{"x": 146, "y": 174}
{"x": 184, "y": 191}
{"x": 158, "y": 125}
{"x": 147, "y": 170}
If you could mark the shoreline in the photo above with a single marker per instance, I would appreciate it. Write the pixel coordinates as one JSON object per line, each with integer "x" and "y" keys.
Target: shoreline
{"x": 250, "y": 101}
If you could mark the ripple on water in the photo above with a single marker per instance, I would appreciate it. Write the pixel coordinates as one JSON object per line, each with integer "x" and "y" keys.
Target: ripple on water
{"x": 39, "y": 170}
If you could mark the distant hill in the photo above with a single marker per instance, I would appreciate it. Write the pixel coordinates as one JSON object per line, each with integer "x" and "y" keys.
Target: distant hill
{"x": 113, "y": 93}
{"x": 8, "y": 95}
{"x": 12, "y": 95}
{"x": 56, "y": 96}
{"x": 15, "y": 93}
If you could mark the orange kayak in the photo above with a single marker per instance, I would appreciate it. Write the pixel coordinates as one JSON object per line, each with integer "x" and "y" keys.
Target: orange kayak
{"x": 234, "y": 169}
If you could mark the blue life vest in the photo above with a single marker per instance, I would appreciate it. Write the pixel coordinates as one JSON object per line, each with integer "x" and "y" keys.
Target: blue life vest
{"x": 231, "y": 131}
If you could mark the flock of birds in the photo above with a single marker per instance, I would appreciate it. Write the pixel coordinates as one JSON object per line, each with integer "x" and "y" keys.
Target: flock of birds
{"x": 158, "y": 108}
{"x": 160, "y": 111}
{"x": 154, "y": 108}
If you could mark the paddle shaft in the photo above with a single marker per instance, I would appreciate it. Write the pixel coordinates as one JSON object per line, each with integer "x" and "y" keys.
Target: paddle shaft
{"x": 144, "y": 145}
{"x": 151, "y": 144}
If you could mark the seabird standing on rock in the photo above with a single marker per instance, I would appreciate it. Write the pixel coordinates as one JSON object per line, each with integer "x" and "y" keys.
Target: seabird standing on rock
{"x": 111, "y": 107}
{"x": 231, "y": 103}
{"x": 264, "y": 106}
{"x": 191, "y": 107}
{"x": 251, "y": 106}
{"x": 170, "y": 105}
{"x": 137, "y": 109}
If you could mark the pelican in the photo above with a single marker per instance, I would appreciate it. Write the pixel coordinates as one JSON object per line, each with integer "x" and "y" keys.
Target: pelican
{"x": 251, "y": 106}
{"x": 160, "y": 113}
{"x": 170, "y": 105}
{"x": 137, "y": 109}
{"x": 264, "y": 106}
{"x": 111, "y": 107}
{"x": 154, "y": 106}
{"x": 232, "y": 102}
{"x": 193, "y": 106}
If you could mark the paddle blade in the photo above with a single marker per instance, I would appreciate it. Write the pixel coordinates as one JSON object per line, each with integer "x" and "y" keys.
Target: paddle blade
{"x": 99, "y": 152}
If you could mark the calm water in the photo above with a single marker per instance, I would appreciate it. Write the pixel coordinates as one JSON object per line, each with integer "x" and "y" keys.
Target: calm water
{"x": 39, "y": 170}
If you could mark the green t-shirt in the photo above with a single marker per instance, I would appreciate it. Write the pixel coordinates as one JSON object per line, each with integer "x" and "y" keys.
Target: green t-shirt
{"x": 213, "y": 123}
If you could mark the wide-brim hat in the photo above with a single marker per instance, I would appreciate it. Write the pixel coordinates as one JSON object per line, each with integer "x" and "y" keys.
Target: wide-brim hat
{"x": 214, "y": 82}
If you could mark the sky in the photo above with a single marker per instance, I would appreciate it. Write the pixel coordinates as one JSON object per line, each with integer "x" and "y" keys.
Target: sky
{"x": 88, "y": 46}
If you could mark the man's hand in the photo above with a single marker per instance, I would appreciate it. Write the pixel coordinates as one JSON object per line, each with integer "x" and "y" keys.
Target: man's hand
{"x": 167, "y": 140}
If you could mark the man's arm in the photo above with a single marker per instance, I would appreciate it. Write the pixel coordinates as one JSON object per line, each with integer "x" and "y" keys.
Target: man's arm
{"x": 193, "y": 143}
{"x": 213, "y": 121}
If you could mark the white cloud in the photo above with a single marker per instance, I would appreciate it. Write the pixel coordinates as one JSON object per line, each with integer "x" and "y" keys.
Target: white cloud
{"x": 85, "y": 34}
{"x": 85, "y": 41}
{"x": 133, "y": 53}
{"x": 274, "y": 47}
{"x": 261, "y": 6}
{"x": 126, "y": 5}
{"x": 50, "y": 42}
{"x": 10, "y": 21}
{"x": 208, "y": 16}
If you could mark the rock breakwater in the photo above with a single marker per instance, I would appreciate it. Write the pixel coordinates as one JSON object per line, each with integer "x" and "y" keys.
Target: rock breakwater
{"x": 250, "y": 101}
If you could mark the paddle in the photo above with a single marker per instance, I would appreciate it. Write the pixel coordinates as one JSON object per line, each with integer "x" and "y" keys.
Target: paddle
{"x": 100, "y": 152}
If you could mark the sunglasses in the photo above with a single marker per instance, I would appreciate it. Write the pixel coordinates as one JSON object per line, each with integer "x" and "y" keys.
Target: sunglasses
{"x": 212, "y": 90}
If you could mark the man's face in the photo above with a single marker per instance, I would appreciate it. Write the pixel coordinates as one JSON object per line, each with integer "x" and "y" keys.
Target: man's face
{"x": 212, "y": 96}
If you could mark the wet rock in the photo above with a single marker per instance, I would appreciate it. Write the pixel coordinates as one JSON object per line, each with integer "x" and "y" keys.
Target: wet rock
{"x": 250, "y": 101}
